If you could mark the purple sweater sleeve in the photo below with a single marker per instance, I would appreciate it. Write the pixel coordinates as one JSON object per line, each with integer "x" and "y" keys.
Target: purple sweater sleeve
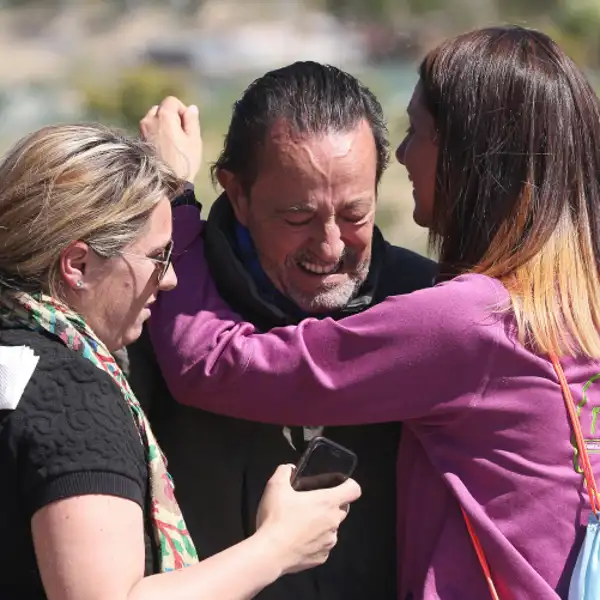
{"x": 423, "y": 356}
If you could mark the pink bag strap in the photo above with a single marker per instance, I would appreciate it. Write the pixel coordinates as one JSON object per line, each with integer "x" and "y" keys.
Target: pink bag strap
{"x": 584, "y": 458}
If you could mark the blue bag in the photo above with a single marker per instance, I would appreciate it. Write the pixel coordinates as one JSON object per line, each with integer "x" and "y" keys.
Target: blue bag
{"x": 585, "y": 579}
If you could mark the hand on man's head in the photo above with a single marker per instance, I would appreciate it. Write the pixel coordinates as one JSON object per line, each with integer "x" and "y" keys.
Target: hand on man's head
{"x": 174, "y": 130}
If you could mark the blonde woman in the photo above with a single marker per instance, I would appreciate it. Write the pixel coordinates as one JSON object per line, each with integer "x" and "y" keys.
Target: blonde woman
{"x": 88, "y": 510}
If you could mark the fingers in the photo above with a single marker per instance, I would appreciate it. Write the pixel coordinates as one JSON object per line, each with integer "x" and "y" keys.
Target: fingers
{"x": 172, "y": 108}
{"x": 347, "y": 493}
{"x": 152, "y": 112}
{"x": 341, "y": 495}
{"x": 331, "y": 541}
{"x": 191, "y": 121}
{"x": 343, "y": 514}
{"x": 283, "y": 474}
{"x": 169, "y": 108}
{"x": 147, "y": 123}
{"x": 172, "y": 105}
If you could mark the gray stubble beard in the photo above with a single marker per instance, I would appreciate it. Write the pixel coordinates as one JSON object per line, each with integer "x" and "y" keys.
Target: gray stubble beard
{"x": 336, "y": 297}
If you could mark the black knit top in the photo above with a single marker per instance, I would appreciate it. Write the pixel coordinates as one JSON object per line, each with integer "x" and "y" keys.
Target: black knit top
{"x": 71, "y": 434}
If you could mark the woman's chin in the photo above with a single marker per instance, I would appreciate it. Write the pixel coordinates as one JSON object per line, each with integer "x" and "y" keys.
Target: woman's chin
{"x": 132, "y": 333}
{"x": 419, "y": 219}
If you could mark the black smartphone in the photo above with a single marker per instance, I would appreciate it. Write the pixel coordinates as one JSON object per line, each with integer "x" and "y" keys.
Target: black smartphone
{"x": 324, "y": 464}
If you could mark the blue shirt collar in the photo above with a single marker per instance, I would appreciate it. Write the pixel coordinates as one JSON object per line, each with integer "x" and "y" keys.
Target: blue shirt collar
{"x": 249, "y": 257}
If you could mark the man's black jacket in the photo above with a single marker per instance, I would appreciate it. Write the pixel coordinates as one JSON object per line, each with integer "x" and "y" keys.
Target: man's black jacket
{"x": 220, "y": 465}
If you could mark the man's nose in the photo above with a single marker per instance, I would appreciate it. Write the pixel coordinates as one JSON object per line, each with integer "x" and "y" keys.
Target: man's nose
{"x": 330, "y": 246}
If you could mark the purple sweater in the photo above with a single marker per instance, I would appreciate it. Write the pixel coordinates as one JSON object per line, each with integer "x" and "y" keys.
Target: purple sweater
{"x": 485, "y": 421}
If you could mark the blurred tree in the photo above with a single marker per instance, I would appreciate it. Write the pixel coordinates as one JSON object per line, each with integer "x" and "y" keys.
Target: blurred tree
{"x": 125, "y": 101}
{"x": 517, "y": 9}
{"x": 419, "y": 7}
{"x": 179, "y": 6}
{"x": 24, "y": 3}
{"x": 377, "y": 10}
{"x": 579, "y": 22}
{"x": 53, "y": 6}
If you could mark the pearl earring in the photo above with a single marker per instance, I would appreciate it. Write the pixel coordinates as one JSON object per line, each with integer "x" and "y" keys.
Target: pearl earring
{"x": 79, "y": 284}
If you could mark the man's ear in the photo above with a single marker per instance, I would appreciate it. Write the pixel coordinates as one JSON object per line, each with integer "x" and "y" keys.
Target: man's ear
{"x": 236, "y": 194}
{"x": 73, "y": 262}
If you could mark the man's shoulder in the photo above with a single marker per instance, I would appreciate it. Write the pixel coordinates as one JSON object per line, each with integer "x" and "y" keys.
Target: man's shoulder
{"x": 145, "y": 377}
{"x": 398, "y": 254}
{"x": 405, "y": 271}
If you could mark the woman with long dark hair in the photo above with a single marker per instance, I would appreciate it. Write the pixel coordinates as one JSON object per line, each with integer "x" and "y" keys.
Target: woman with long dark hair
{"x": 503, "y": 151}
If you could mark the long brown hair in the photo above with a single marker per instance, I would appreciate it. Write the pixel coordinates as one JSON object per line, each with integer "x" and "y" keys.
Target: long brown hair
{"x": 517, "y": 190}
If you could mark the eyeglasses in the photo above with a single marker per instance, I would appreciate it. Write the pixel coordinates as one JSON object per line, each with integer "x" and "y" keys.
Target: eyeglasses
{"x": 162, "y": 262}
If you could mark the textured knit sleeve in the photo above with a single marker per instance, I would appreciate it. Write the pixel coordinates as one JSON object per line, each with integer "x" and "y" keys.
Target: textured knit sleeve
{"x": 72, "y": 434}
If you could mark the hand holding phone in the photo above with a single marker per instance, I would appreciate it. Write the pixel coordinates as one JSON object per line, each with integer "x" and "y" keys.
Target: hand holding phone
{"x": 324, "y": 464}
{"x": 302, "y": 527}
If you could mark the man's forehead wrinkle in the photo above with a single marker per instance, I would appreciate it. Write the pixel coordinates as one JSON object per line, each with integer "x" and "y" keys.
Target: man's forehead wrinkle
{"x": 330, "y": 171}
{"x": 292, "y": 146}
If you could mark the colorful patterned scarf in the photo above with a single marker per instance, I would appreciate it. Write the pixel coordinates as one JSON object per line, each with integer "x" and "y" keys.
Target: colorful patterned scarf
{"x": 176, "y": 548}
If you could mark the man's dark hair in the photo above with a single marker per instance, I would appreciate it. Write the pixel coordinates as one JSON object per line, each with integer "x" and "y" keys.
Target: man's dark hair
{"x": 314, "y": 99}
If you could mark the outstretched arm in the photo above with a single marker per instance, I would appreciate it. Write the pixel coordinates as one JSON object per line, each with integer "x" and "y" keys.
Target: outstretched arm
{"x": 296, "y": 531}
{"x": 409, "y": 357}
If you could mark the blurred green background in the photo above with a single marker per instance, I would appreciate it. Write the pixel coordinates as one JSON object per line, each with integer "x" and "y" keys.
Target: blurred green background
{"x": 110, "y": 60}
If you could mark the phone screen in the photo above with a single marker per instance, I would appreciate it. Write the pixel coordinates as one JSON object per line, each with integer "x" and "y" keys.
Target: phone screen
{"x": 324, "y": 465}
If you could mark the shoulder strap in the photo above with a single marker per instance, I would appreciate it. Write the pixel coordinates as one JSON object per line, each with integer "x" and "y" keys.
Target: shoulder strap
{"x": 485, "y": 567}
{"x": 584, "y": 458}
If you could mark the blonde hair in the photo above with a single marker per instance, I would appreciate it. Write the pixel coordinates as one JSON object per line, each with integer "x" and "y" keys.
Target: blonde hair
{"x": 74, "y": 182}
{"x": 555, "y": 295}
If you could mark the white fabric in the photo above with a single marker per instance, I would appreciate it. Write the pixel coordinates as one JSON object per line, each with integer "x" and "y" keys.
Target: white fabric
{"x": 308, "y": 433}
{"x": 17, "y": 364}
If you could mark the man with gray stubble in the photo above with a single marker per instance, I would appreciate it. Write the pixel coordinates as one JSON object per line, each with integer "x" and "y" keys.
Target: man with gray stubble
{"x": 292, "y": 235}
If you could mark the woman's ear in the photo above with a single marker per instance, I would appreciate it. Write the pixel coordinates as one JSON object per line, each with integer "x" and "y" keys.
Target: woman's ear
{"x": 74, "y": 260}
